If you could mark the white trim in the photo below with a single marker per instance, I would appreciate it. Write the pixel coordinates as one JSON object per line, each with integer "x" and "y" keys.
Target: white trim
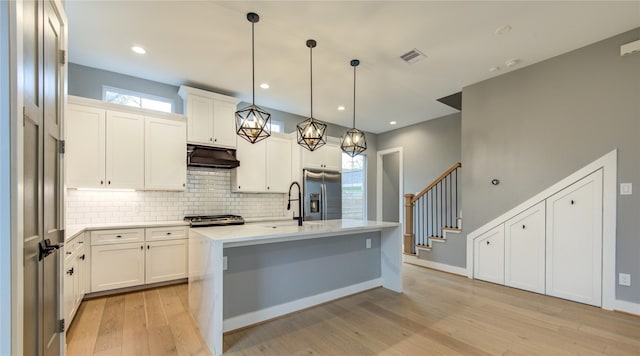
{"x": 414, "y": 260}
{"x": 627, "y": 307}
{"x": 379, "y": 182}
{"x": 261, "y": 315}
{"x": 608, "y": 163}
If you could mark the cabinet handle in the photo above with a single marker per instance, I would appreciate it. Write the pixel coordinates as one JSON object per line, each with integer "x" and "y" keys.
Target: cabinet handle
{"x": 183, "y": 185}
{"x": 523, "y": 227}
{"x": 70, "y": 272}
{"x": 211, "y": 139}
{"x": 68, "y": 252}
{"x": 148, "y": 247}
{"x": 109, "y": 182}
{"x": 168, "y": 233}
{"x": 572, "y": 202}
{"x": 141, "y": 247}
{"x": 268, "y": 188}
{"x": 82, "y": 257}
{"x": 101, "y": 182}
{"x": 80, "y": 242}
{"x": 118, "y": 236}
{"x": 488, "y": 242}
{"x": 238, "y": 187}
{"x": 215, "y": 140}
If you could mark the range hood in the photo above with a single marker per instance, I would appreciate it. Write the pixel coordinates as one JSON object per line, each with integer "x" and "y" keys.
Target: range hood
{"x": 213, "y": 157}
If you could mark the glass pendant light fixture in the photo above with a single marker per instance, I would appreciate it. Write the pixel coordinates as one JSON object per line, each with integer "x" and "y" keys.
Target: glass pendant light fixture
{"x": 354, "y": 142}
{"x": 252, "y": 122}
{"x": 311, "y": 132}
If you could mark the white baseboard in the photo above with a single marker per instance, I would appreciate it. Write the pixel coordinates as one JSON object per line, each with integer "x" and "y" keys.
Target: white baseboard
{"x": 435, "y": 265}
{"x": 258, "y": 316}
{"x": 627, "y": 307}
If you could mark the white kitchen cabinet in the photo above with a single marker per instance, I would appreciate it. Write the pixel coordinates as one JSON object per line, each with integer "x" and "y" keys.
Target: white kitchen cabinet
{"x": 117, "y": 266}
{"x": 70, "y": 289}
{"x": 524, "y": 250}
{"x": 327, "y": 157}
{"x": 574, "y": 241}
{"x": 488, "y": 250}
{"x": 210, "y": 117}
{"x": 264, "y": 166}
{"x": 165, "y": 154}
{"x": 85, "y": 146}
{"x": 124, "y": 150}
{"x": 166, "y": 260}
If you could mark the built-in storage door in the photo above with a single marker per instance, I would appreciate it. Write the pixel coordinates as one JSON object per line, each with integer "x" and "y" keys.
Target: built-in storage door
{"x": 524, "y": 249}
{"x": 85, "y": 145}
{"x": 224, "y": 126}
{"x": 200, "y": 119}
{"x": 165, "y": 152}
{"x": 574, "y": 241}
{"x": 278, "y": 165}
{"x": 125, "y": 150}
{"x": 489, "y": 256}
{"x": 166, "y": 260}
{"x": 117, "y": 266}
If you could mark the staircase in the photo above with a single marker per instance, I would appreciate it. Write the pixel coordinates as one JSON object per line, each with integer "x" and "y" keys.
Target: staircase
{"x": 433, "y": 213}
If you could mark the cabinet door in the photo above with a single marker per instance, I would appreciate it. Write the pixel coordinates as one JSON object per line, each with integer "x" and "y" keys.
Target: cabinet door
{"x": 250, "y": 176}
{"x": 125, "y": 150}
{"x": 70, "y": 289}
{"x": 278, "y": 165}
{"x": 224, "y": 125}
{"x": 116, "y": 266}
{"x": 488, "y": 260}
{"x": 199, "y": 119}
{"x": 332, "y": 157}
{"x": 81, "y": 259}
{"x": 524, "y": 250}
{"x": 313, "y": 160}
{"x": 166, "y": 260}
{"x": 574, "y": 241}
{"x": 165, "y": 152}
{"x": 85, "y": 144}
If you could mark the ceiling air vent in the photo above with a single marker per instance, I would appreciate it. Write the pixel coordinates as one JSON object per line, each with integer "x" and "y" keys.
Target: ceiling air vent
{"x": 413, "y": 56}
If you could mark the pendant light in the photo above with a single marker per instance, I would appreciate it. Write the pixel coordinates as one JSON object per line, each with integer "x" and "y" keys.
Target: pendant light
{"x": 354, "y": 141}
{"x": 311, "y": 132}
{"x": 252, "y": 122}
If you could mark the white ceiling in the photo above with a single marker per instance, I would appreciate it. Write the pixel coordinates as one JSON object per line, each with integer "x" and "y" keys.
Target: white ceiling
{"x": 208, "y": 43}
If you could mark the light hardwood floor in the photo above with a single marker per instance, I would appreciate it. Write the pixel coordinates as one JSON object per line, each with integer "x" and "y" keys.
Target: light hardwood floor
{"x": 438, "y": 314}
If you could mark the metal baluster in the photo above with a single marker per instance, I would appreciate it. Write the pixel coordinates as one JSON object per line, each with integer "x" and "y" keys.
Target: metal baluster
{"x": 445, "y": 203}
{"x": 456, "y": 212}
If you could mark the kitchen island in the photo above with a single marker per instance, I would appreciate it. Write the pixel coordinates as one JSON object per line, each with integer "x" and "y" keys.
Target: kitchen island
{"x": 245, "y": 274}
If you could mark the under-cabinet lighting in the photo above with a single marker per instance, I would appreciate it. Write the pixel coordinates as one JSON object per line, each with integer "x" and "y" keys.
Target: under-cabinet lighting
{"x": 105, "y": 190}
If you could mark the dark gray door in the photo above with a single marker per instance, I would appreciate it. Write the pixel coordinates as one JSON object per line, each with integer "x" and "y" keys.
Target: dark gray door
{"x": 42, "y": 177}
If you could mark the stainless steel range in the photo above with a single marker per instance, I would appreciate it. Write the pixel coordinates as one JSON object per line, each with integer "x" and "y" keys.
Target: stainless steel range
{"x": 214, "y": 220}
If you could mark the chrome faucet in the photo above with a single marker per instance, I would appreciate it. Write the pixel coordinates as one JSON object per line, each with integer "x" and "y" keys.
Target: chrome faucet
{"x": 299, "y": 200}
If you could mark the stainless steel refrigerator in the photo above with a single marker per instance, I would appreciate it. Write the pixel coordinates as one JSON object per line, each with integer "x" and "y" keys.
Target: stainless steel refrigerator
{"x": 322, "y": 195}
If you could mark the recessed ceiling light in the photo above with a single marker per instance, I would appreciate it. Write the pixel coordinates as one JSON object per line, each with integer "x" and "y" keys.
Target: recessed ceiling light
{"x": 392, "y": 122}
{"x": 264, "y": 86}
{"x": 503, "y": 30}
{"x": 512, "y": 62}
{"x": 138, "y": 50}
{"x": 341, "y": 108}
{"x": 494, "y": 69}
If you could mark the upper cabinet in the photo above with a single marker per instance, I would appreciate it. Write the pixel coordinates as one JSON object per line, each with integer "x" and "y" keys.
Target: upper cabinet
{"x": 265, "y": 167}
{"x": 111, "y": 146}
{"x": 210, "y": 117}
{"x": 327, "y": 157}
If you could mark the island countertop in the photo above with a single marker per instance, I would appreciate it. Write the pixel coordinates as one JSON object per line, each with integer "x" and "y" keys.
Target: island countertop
{"x": 274, "y": 231}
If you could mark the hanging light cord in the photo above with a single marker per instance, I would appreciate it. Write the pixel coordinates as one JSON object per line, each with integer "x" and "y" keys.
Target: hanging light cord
{"x": 253, "y": 66}
{"x": 311, "y": 76}
{"x": 354, "y": 97}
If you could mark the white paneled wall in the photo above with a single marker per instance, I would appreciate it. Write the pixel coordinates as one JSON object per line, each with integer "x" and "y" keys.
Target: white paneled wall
{"x": 208, "y": 192}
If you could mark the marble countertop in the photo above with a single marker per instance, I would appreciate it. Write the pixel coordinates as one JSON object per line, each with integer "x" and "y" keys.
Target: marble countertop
{"x": 267, "y": 231}
{"x": 72, "y": 231}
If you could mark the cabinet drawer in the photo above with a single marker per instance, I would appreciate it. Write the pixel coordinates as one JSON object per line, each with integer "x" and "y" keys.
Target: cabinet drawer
{"x": 166, "y": 233}
{"x": 71, "y": 247}
{"x": 106, "y": 237}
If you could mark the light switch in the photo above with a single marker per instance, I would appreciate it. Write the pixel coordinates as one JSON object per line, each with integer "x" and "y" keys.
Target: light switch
{"x": 626, "y": 188}
{"x": 368, "y": 243}
{"x": 224, "y": 263}
{"x": 624, "y": 279}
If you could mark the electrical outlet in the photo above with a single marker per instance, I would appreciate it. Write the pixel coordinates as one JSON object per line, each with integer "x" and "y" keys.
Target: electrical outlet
{"x": 224, "y": 263}
{"x": 624, "y": 279}
{"x": 626, "y": 188}
{"x": 368, "y": 243}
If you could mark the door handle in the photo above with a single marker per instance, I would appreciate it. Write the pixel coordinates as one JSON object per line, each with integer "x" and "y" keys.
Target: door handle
{"x": 70, "y": 272}
{"x": 46, "y": 248}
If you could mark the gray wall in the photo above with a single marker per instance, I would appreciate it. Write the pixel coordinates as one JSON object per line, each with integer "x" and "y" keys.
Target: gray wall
{"x": 391, "y": 187}
{"x": 87, "y": 82}
{"x": 262, "y": 276}
{"x": 534, "y": 126}
{"x": 429, "y": 148}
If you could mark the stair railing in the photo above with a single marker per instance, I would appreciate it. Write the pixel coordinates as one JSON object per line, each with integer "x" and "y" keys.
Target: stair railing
{"x": 433, "y": 209}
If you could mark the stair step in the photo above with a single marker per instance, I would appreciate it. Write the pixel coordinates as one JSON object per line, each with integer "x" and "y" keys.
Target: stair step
{"x": 423, "y": 247}
{"x": 451, "y": 229}
{"x": 410, "y": 254}
{"x": 437, "y": 238}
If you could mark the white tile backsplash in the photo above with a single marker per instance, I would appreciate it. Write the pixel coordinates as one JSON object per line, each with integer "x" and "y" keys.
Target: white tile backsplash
{"x": 208, "y": 192}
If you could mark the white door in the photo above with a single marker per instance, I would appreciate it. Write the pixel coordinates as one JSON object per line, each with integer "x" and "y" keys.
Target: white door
{"x": 278, "y": 165}
{"x": 224, "y": 125}
{"x": 574, "y": 242}
{"x": 117, "y": 266}
{"x": 70, "y": 289}
{"x": 85, "y": 144}
{"x": 524, "y": 250}
{"x": 166, "y": 152}
{"x": 250, "y": 176}
{"x": 125, "y": 150}
{"x": 166, "y": 260}
{"x": 488, "y": 260}
{"x": 200, "y": 119}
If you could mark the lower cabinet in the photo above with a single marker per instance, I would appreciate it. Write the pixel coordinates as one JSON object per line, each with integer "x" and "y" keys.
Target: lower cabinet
{"x": 75, "y": 274}
{"x": 157, "y": 255}
{"x": 489, "y": 256}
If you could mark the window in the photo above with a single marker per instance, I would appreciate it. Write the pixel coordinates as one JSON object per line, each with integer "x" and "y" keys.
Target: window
{"x": 354, "y": 187}
{"x": 136, "y": 99}
{"x": 277, "y": 126}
